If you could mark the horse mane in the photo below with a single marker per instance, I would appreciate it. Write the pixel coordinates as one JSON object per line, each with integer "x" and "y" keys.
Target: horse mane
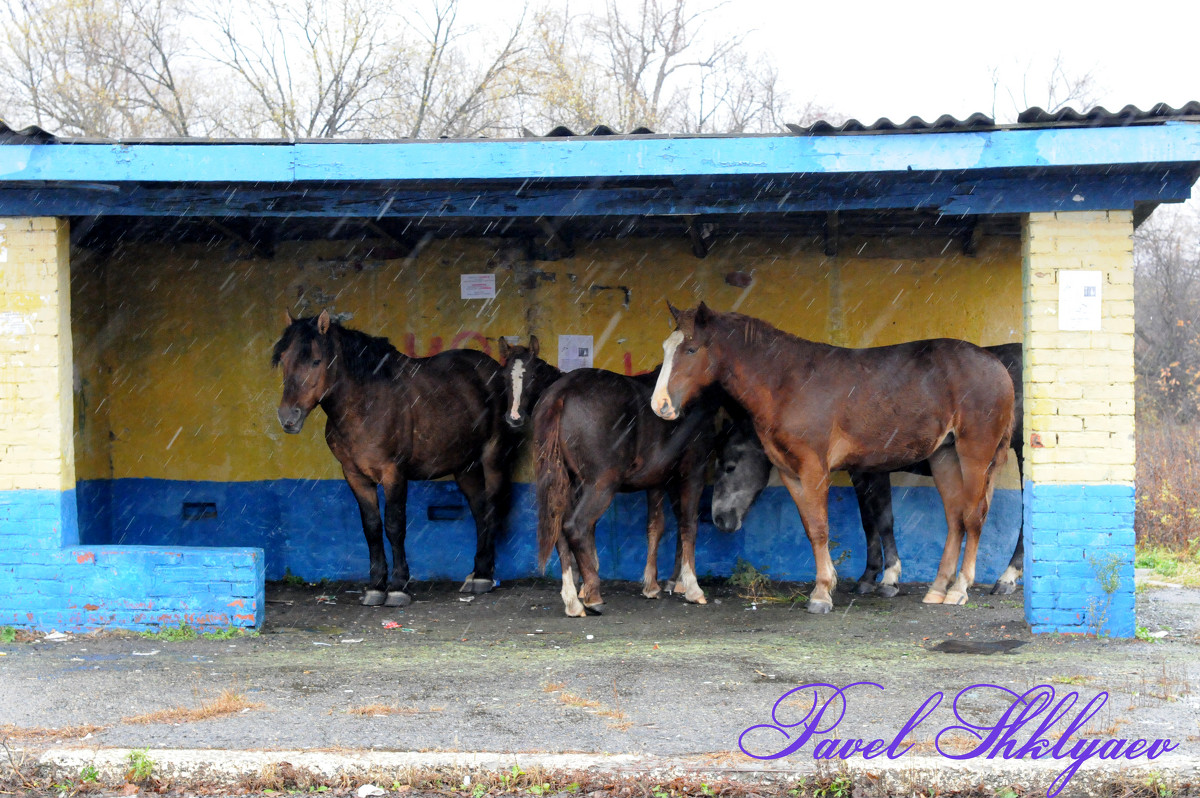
{"x": 364, "y": 357}
{"x": 755, "y": 332}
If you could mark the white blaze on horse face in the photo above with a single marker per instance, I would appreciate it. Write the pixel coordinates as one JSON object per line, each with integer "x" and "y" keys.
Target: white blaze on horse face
{"x": 659, "y": 400}
{"x": 518, "y": 380}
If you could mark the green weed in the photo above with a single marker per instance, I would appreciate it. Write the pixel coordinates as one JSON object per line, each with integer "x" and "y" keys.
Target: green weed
{"x": 141, "y": 766}
{"x": 8, "y": 634}
{"x": 172, "y": 633}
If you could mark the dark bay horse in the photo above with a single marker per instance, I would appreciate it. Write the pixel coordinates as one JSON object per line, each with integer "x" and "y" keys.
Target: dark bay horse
{"x": 819, "y": 408}
{"x": 744, "y": 470}
{"x": 526, "y": 378}
{"x": 391, "y": 418}
{"x": 594, "y": 435}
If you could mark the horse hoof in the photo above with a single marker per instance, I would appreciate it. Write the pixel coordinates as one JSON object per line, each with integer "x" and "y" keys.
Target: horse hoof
{"x": 934, "y": 597}
{"x": 819, "y": 607}
{"x": 398, "y": 598}
{"x": 374, "y": 598}
{"x": 594, "y": 609}
{"x": 652, "y": 593}
{"x": 678, "y": 587}
{"x": 955, "y": 598}
{"x": 695, "y": 597}
{"x": 476, "y": 586}
{"x": 865, "y": 588}
{"x": 888, "y": 591}
{"x": 574, "y": 609}
{"x": 1004, "y": 589}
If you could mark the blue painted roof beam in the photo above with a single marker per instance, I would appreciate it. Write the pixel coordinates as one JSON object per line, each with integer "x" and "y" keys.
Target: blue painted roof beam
{"x": 963, "y": 193}
{"x": 640, "y": 157}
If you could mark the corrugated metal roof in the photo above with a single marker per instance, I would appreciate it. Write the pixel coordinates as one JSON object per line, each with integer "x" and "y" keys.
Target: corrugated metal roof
{"x": 29, "y": 135}
{"x": 1031, "y": 118}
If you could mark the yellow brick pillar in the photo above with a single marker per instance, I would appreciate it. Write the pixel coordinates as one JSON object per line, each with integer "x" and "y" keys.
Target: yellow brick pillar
{"x": 1079, "y": 422}
{"x": 37, "y": 462}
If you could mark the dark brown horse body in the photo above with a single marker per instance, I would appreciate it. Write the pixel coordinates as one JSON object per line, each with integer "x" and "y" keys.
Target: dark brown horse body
{"x": 594, "y": 435}
{"x": 391, "y": 418}
{"x": 746, "y": 470}
{"x": 819, "y": 408}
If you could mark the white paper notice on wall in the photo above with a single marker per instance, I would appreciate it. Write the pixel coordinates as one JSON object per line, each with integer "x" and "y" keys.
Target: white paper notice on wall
{"x": 1079, "y": 299}
{"x": 574, "y": 352}
{"x": 478, "y": 286}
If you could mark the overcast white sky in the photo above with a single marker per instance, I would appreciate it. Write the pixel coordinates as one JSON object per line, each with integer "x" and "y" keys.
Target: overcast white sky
{"x": 868, "y": 59}
{"x": 898, "y": 59}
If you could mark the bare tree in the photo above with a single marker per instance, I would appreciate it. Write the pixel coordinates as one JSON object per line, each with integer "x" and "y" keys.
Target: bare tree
{"x": 657, "y": 64}
{"x": 1167, "y": 261}
{"x": 107, "y": 68}
{"x": 452, "y": 81}
{"x": 314, "y": 68}
{"x": 1051, "y": 88}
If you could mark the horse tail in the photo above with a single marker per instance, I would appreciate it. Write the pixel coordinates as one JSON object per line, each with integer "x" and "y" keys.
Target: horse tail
{"x": 553, "y": 481}
{"x": 999, "y": 458}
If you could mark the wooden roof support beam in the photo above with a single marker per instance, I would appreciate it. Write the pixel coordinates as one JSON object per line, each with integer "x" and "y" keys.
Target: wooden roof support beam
{"x": 701, "y": 236}
{"x": 556, "y": 245}
{"x": 832, "y": 233}
{"x": 258, "y": 238}
{"x": 971, "y": 239}
{"x": 396, "y": 234}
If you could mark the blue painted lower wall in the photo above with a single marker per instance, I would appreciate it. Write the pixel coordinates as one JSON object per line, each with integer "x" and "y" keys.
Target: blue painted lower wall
{"x": 1079, "y": 553}
{"x": 48, "y": 581}
{"x": 311, "y": 528}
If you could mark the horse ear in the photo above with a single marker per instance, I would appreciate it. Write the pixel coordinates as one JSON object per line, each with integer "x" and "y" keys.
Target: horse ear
{"x": 534, "y": 346}
{"x": 674, "y": 311}
{"x": 503, "y": 349}
{"x": 323, "y": 322}
{"x": 290, "y": 317}
{"x": 703, "y": 313}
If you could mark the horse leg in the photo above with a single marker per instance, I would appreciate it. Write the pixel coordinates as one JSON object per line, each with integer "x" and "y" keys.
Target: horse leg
{"x": 580, "y": 530}
{"x": 874, "y": 493}
{"x": 472, "y": 482}
{"x": 673, "y": 582}
{"x": 685, "y": 501}
{"x": 810, "y": 492}
{"x": 947, "y": 475}
{"x": 654, "y": 532}
{"x": 1007, "y": 583}
{"x": 570, "y": 595}
{"x": 395, "y": 519}
{"x": 978, "y": 471}
{"x": 366, "y": 494}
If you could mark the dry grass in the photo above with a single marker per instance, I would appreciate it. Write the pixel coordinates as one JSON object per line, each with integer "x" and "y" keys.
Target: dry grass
{"x": 616, "y": 719}
{"x": 572, "y": 700}
{"x": 229, "y": 702}
{"x": 381, "y": 710}
{"x": 39, "y": 734}
{"x": 1168, "y": 485}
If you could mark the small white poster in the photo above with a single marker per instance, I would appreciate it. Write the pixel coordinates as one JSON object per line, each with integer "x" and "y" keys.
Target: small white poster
{"x": 478, "y": 286}
{"x": 574, "y": 352}
{"x": 1079, "y": 300}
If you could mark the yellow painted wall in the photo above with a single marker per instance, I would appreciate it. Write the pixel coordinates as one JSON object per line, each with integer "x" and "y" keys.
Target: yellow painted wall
{"x": 172, "y": 343}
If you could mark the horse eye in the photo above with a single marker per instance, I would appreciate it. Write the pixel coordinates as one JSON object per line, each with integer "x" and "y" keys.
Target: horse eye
{"x": 729, "y": 469}
{"x": 691, "y": 350}
{"x": 316, "y": 362}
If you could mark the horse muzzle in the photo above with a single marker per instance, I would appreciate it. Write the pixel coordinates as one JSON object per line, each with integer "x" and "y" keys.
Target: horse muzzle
{"x": 726, "y": 520}
{"x": 514, "y": 423}
{"x": 292, "y": 419}
{"x": 665, "y": 409}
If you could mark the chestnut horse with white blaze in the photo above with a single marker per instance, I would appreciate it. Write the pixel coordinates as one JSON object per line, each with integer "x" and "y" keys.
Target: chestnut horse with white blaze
{"x": 819, "y": 408}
